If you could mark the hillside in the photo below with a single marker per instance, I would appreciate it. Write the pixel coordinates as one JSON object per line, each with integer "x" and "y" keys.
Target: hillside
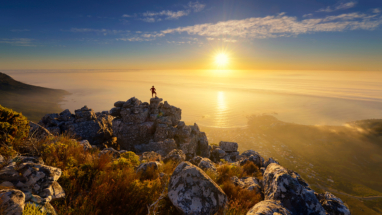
{"x": 344, "y": 160}
{"x": 33, "y": 101}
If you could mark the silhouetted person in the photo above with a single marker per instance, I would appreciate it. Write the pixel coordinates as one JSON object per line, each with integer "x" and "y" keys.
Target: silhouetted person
{"x": 153, "y": 92}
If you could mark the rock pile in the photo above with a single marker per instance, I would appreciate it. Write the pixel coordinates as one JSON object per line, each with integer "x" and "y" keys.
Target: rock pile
{"x": 226, "y": 151}
{"x": 28, "y": 180}
{"x": 85, "y": 124}
{"x": 141, "y": 127}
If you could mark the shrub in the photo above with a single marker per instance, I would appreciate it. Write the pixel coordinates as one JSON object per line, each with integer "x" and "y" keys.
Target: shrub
{"x": 14, "y": 127}
{"x": 131, "y": 157}
{"x": 32, "y": 209}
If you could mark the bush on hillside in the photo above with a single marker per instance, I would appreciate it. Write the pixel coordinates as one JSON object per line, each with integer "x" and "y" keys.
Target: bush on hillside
{"x": 14, "y": 127}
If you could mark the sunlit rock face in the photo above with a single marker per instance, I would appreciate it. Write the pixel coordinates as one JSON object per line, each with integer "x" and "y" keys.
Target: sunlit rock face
{"x": 332, "y": 204}
{"x": 141, "y": 127}
{"x": 291, "y": 190}
{"x": 192, "y": 191}
{"x": 268, "y": 207}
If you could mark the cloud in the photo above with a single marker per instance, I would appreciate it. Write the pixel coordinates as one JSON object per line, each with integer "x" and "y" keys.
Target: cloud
{"x": 17, "y": 41}
{"x": 376, "y": 10}
{"x": 99, "y": 31}
{"x": 196, "y": 6}
{"x": 126, "y": 15}
{"x": 280, "y": 26}
{"x": 341, "y": 6}
{"x": 308, "y": 15}
{"x": 168, "y": 14}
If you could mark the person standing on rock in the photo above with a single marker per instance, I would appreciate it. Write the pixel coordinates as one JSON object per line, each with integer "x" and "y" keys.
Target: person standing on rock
{"x": 153, "y": 92}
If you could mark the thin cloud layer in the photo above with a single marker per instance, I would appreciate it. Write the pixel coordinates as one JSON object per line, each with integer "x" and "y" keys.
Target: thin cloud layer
{"x": 280, "y": 26}
{"x": 100, "y": 31}
{"x": 17, "y": 41}
{"x": 341, "y": 6}
{"x": 169, "y": 14}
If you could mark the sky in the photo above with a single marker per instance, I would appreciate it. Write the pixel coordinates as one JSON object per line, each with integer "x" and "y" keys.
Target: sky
{"x": 172, "y": 35}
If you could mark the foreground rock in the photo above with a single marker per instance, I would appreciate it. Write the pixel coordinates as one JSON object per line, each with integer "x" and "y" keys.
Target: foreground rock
{"x": 193, "y": 192}
{"x": 85, "y": 124}
{"x": 29, "y": 181}
{"x": 176, "y": 156}
{"x": 291, "y": 190}
{"x": 141, "y": 127}
{"x": 247, "y": 183}
{"x": 268, "y": 207}
{"x": 332, "y": 204}
{"x": 12, "y": 201}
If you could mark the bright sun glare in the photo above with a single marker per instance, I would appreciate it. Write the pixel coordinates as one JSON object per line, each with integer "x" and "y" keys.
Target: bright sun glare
{"x": 221, "y": 59}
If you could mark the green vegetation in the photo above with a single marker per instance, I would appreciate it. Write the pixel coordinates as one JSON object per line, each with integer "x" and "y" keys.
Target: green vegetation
{"x": 34, "y": 102}
{"x": 14, "y": 127}
{"x": 32, "y": 209}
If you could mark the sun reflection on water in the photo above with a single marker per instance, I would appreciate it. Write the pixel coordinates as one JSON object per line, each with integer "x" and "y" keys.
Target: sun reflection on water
{"x": 221, "y": 109}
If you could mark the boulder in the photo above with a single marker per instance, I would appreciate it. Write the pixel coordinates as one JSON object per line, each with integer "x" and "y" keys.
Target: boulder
{"x": 332, "y": 204}
{"x": 247, "y": 183}
{"x": 119, "y": 104}
{"x": 291, "y": 190}
{"x": 176, "y": 156}
{"x": 85, "y": 144}
{"x": 12, "y": 201}
{"x": 229, "y": 146}
{"x": 217, "y": 154}
{"x": 268, "y": 207}
{"x": 231, "y": 157}
{"x": 269, "y": 161}
{"x": 162, "y": 147}
{"x": 84, "y": 124}
{"x": 192, "y": 191}
{"x": 150, "y": 156}
{"x": 142, "y": 168}
{"x": 111, "y": 151}
{"x": 206, "y": 164}
{"x": 255, "y": 159}
{"x": 37, "y": 131}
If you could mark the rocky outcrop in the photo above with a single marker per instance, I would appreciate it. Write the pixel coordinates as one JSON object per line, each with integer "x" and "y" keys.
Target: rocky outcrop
{"x": 252, "y": 156}
{"x": 203, "y": 163}
{"x": 247, "y": 183}
{"x": 332, "y": 204}
{"x": 29, "y": 181}
{"x": 268, "y": 207}
{"x": 37, "y": 131}
{"x": 192, "y": 192}
{"x": 269, "y": 161}
{"x": 12, "y": 201}
{"x": 226, "y": 151}
{"x": 176, "y": 156}
{"x": 85, "y": 124}
{"x": 141, "y": 127}
{"x": 154, "y": 165}
{"x": 291, "y": 190}
{"x": 150, "y": 156}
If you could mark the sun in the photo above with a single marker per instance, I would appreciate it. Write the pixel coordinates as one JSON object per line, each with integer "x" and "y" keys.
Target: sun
{"x": 221, "y": 59}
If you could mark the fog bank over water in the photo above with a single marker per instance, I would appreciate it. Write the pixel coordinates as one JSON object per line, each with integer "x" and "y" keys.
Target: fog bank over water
{"x": 225, "y": 98}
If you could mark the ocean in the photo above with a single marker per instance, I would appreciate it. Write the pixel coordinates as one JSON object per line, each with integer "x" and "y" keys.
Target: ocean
{"x": 224, "y": 98}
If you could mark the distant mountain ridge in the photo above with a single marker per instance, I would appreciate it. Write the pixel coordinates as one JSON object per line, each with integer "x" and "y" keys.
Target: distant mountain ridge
{"x": 33, "y": 101}
{"x": 8, "y": 84}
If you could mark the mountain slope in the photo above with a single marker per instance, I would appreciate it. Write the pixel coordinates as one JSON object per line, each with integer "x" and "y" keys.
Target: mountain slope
{"x": 33, "y": 101}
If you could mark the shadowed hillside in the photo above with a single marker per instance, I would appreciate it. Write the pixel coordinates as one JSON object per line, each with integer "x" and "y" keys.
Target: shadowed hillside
{"x": 345, "y": 160}
{"x": 33, "y": 101}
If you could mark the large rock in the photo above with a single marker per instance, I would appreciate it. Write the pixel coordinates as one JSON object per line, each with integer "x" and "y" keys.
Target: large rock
{"x": 176, "y": 156}
{"x": 12, "y": 201}
{"x": 255, "y": 158}
{"x": 289, "y": 188}
{"x": 268, "y": 207}
{"x": 150, "y": 156}
{"x": 229, "y": 146}
{"x": 154, "y": 165}
{"x": 269, "y": 161}
{"x": 84, "y": 124}
{"x": 161, "y": 147}
{"x": 141, "y": 127}
{"x": 332, "y": 204}
{"x": 37, "y": 131}
{"x": 192, "y": 191}
{"x": 247, "y": 183}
